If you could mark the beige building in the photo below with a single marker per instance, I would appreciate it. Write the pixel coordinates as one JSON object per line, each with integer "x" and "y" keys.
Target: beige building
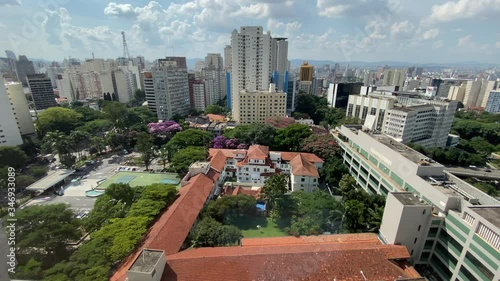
{"x": 472, "y": 89}
{"x": 457, "y": 93}
{"x": 20, "y": 108}
{"x": 257, "y": 106}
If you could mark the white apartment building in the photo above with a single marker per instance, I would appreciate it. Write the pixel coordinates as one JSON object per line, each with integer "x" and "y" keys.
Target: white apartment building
{"x": 444, "y": 222}
{"x": 63, "y": 85}
{"x": 149, "y": 90}
{"x": 9, "y": 129}
{"x": 228, "y": 57}
{"x": 251, "y": 62}
{"x": 279, "y": 55}
{"x": 255, "y": 165}
{"x": 20, "y": 108}
{"x": 214, "y": 76}
{"x": 405, "y": 118}
{"x": 171, "y": 87}
{"x": 493, "y": 102}
{"x": 457, "y": 93}
{"x": 199, "y": 97}
{"x": 257, "y": 106}
{"x": 306, "y": 87}
{"x": 123, "y": 80}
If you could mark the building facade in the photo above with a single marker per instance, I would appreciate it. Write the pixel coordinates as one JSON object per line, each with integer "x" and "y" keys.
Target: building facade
{"x": 493, "y": 103}
{"x": 20, "y": 108}
{"x": 369, "y": 109}
{"x": 24, "y": 67}
{"x": 306, "y": 72}
{"x": 9, "y": 128}
{"x": 444, "y": 222}
{"x": 197, "y": 93}
{"x": 41, "y": 91}
{"x": 257, "y": 106}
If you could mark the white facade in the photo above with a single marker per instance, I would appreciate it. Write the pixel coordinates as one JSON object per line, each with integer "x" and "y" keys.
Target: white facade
{"x": 257, "y": 106}
{"x": 20, "y": 108}
{"x": 9, "y": 130}
{"x": 251, "y": 62}
{"x": 214, "y": 76}
{"x": 199, "y": 96}
{"x": 228, "y": 57}
{"x": 123, "y": 85}
{"x": 493, "y": 102}
{"x": 362, "y": 107}
{"x": 306, "y": 87}
{"x": 279, "y": 58}
{"x": 64, "y": 87}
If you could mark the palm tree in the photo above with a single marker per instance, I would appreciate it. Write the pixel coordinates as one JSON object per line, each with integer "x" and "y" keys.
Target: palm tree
{"x": 274, "y": 188}
{"x": 58, "y": 142}
{"x": 375, "y": 218}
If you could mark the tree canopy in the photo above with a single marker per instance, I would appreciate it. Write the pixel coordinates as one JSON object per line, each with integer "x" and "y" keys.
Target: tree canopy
{"x": 227, "y": 207}
{"x": 58, "y": 119}
{"x": 12, "y": 156}
{"x": 211, "y": 233}
{"x": 274, "y": 188}
{"x": 291, "y": 137}
{"x": 190, "y": 137}
{"x": 215, "y": 109}
{"x": 250, "y": 134}
{"x": 185, "y": 157}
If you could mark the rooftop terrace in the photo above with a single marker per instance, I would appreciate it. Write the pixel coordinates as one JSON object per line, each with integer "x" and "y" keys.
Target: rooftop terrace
{"x": 146, "y": 261}
{"x": 491, "y": 214}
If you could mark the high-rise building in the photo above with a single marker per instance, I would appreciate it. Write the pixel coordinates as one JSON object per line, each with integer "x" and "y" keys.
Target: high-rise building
{"x": 251, "y": 62}
{"x": 197, "y": 95}
{"x": 20, "y": 108}
{"x": 493, "y": 103}
{"x": 24, "y": 67}
{"x": 287, "y": 82}
{"x": 123, "y": 82}
{"x": 306, "y": 72}
{"x": 257, "y": 106}
{"x": 369, "y": 109}
{"x": 10, "y": 55}
{"x": 41, "y": 91}
{"x": 213, "y": 75}
{"x": 64, "y": 87}
{"x": 472, "y": 89}
{"x": 486, "y": 89}
{"x": 338, "y": 93}
{"x": 228, "y": 58}
{"x": 149, "y": 90}
{"x": 457, "y": 93}
{"x": 9, "y": 129}
{"x": 450, "y": 228}
{"x": 280, "y": 61}
{"x": 171, "y": 87}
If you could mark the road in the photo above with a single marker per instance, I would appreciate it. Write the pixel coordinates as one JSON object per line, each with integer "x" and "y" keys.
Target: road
{"x": 470, "y": 172}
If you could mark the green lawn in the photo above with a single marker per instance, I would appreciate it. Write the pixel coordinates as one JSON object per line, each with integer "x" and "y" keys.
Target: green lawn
{"x": 268, "y": 228}
{"x": 140, "y": 179}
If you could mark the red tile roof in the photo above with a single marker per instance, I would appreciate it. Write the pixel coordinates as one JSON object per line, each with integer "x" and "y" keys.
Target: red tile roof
{"x": 288, "y": 156}
{"x": 218, "y": 160}
{"x": 216, "y": 117}
{"x": 314, "y": 258}
{"x": 171, "y": 229}
{"x": 303, "y": 167}
{"x": 259, "y": 152}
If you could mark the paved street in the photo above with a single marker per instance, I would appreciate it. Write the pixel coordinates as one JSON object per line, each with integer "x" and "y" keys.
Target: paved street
{"x": 471, "y": 172}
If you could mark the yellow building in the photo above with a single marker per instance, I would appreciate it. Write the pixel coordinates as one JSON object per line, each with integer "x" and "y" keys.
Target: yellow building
{"x": 257, "y": 106}
{"x": 306, "y": 72}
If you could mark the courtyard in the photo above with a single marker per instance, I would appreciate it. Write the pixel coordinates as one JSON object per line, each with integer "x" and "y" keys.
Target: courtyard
{"x": 258, "y": 226}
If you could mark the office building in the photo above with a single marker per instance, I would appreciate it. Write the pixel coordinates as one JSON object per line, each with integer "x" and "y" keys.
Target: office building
{"x": 446, "y": 224}
{"x": 20, "y": 108}
{"x": 24, "y": 67}
{"x": 287, "y": 82}
{"x": 171, "y": 87}
{"x": 305, "y": 87}
{"x": 338, "y": 93}
{"x": 197, "y": 94}
{"x": 493, "y": 103}
{"x": 123, "y": 84}
{"x": 149, "y": 91}
{"x": 41, "y": 91}
{"x": 369, "y": 109}
{"x": 279, "y": 56}
{"x": 395, "y": 77}
{"x": 257, "y": 106}
{"x": 306, "y": 72}
{"x": 251, "y": 62}
{"x": 10, "y": 134}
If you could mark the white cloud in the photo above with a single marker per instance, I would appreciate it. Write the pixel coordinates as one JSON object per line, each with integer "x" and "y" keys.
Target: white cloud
{"x": 402, "y": 29}
{"x": 279, "y": 28}
{"x": 430, "y": 34}
{"x": 465, "y": 41}
{"x": 438, "y": 44}
{"x": 10, "y": 3}
{"x": 114, "y": 9}
{"x": 497, "y": 45}
{"x": 259, "y": 10}
{"x": 342, "y": 8}
{"x": 463, "y": 9}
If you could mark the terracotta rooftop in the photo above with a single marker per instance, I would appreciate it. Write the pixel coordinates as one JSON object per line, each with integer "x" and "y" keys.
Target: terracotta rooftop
{"x": 216, "y": 117}
{"x": 259, "y": 152}
{"x": 303, "y": 167}
{"x": 288, "y": 156}
{"x": 235, "y": 190}
{"x": 172, "y": 227}
{"x": 218, "y": 160}
{"x": 310, "y": 258}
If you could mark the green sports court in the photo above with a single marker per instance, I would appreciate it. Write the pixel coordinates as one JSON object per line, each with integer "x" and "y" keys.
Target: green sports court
{"x": 140, "y": 179}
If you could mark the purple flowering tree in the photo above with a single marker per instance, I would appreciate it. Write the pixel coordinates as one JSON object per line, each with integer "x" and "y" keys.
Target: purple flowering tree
{"x": 232, "y": 143}
{"x": 242, "y": 146}
{"x": 218, "y": 142}
{"x": 165, "y": 129}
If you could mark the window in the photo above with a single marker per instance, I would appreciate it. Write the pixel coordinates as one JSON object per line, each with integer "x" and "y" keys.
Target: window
{"x": 482, "y": 270}
{"x": 415, "y": 241}
{"x": 420, "y": 226}
{"x": 423, "y": 212}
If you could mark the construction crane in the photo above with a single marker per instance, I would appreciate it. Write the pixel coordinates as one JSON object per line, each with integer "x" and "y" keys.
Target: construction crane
{"x": 126, "y": 54}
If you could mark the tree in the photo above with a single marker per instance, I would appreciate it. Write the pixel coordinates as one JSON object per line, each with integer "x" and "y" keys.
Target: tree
{"x": 139, "y": 96}
{"x": 58, "y": 142}
{"x": 291, "y": 137}
{"x": 215, "y": 109}
{"x": 324, "y": 146}
{"x": 88, "y": 114}
{"x": 190, "y": 137}
{"x": 164, "y": 129}
{"x": 211, "y": 233}
{"x": 274, "y": 188}
{"x": 67, "y": 160}
{"x": 223, "y": 142}
{"x": 332, "y": 171}
{"x": 280, "y": 121}
{"x": 146, "y": 147}
{"x": 117, "y": 113}
{"x": 138, "y": 117}
{"x": 47, "y": 228}
{"x": 262, "y": 134}
{"x": 58, "y": 119}
{"x": 164, "y": 155}
{"x": 12, "y": 156}
{"x": 228, "y": 207}
{"x": 38, "y": 171}
{"x": 31, "y": 270}
{"x": 79, "y": 141}
{"x": 348, "y": 186}
{"x": 96, "y": 127}
{"x": 185, "y": 157}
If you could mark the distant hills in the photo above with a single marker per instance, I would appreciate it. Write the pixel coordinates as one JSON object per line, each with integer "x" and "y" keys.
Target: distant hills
{"x": 298, "y": 62}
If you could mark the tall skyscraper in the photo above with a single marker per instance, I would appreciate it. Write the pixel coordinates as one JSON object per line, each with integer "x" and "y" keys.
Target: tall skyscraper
{"x": 41, "y": 91}
{"x": 20, "y": 108}
{"x": 492, "y": 105}
{"x": 149, "y": 90}
{"x": 472, "y": 89}
{"x": 306, "y": 72}
{"x": 280, "y": 61}
{"x": 9, "y": 130}
{"x": 197, "y": 96}
{"x": 24, "y": 67}
{"x": 10, "y": 55}
{"x": 251, "y": 62}
{"x": 171, "y": 87}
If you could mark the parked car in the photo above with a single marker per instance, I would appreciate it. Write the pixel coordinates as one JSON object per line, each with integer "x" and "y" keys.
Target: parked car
{"x": 487, "y": 170}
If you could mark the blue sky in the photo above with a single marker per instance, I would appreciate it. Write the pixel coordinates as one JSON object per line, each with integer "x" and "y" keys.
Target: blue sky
{"x": 422, "y": 31}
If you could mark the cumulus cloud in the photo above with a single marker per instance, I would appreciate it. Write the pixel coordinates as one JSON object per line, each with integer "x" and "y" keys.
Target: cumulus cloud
{"x": 342, "y": 8}
{"x": 10, "y": 3}
{"x": 114, "y": 9}
{"x": 279, "y": 28}
{"x": 463, "y": 9}
{"x": 465, "y": 41}
{"x": 430, "y": 34}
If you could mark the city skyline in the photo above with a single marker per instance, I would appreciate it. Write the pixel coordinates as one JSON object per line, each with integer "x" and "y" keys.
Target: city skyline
{"x": 394, "y": 30}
